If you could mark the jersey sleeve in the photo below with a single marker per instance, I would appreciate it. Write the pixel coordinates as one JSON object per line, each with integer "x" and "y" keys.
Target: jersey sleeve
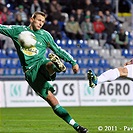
{"x": 60, "y": 52}
{"x": 8, "y": 30}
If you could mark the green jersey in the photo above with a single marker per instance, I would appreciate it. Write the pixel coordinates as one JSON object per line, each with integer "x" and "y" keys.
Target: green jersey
{"x": 30, "y": 56}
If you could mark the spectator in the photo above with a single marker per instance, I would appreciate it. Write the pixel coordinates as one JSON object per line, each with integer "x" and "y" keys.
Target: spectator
{"x": 111, "y": 43}
{"x": 55, "y": 11}
{"x": 46, "y": 25}
{"x": 27, "y": 5}
{"x": 87, "y": 28}
{"x": 88, "y": 13}
{"x": 109, "y": 27}
{"x": 102, "y": 15}
{"x": 35, "y": 6}
{"x": 19, "y": 21}
{"x": 8, "y": 15}
{"x": 22, "y": 13}
{"x": 73, "y": 29}
{"x": 98, "y": 4}
{"x": 74, "y": 5}
{"x": 89, "y": 6}
{"x": 3, "y": 17}
{"x": 122, "y": 39}
{"x": 107, "y": 6}
{"x": 98, "y": 28}
{"x": 44, "y": 6}
{"x": 112, "y": 18}
{"x": 2, "y": 4}
{"x": 55, "y": 30}
{"x": 79, "y": 15}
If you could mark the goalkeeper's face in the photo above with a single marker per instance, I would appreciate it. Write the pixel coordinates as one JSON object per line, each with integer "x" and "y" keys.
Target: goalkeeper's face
{"x": 37, "y": 22}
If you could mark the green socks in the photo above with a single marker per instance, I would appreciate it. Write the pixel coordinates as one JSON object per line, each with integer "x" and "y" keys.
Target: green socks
{"x": 62, "y": 113}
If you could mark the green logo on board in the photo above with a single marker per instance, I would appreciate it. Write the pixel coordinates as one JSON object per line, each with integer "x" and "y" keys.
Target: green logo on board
{"x": 15, "y": 90}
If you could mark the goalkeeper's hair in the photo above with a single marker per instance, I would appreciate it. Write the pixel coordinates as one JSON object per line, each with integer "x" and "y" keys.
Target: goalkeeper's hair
{"x": 38, "y": 13}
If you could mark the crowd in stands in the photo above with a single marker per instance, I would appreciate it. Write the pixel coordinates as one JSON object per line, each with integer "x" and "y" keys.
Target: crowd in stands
{"x": 73, "y": 19}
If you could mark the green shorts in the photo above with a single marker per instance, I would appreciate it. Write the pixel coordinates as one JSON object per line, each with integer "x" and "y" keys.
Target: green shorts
{"x": 38, "y": 78}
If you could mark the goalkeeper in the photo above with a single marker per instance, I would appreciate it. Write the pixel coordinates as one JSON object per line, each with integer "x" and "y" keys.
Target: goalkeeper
{"x": 37, "y": 68}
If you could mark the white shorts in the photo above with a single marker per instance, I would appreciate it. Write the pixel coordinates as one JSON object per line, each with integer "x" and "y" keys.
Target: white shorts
{"x": 130, "y": 71}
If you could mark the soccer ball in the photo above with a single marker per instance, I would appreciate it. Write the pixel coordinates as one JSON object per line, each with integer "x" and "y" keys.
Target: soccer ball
{"x": 27, "y": 39}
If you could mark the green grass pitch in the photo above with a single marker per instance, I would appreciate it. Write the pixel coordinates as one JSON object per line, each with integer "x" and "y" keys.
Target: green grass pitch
{"x": 112, "y": 119}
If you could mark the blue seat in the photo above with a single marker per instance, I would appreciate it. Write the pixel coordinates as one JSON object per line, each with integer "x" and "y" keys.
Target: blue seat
{"x": 3, "y": 53}
{"x": 10, "y": 63}
{"x": 100, "y": 71}
{"x": 2, "y": 64}
{"x": 83, "y": 43}
{"x": 19, "y": 71}
{"x": 7, "y": 72}
{"x": 68, "y": 71}
{"x": 80, "y": 53}
{"x": 74, "y": 53}
{"x": 93, "y": 54}
{"x": 127, "y": 53}
{"x": 75, "y": 44}
{"x": 68, "y": 65}
{"x": 18, "y": 64}
{"x": 70, "y": 51}
{"x": 103, "y": 63}
{"x": 61, "y": 43}
{"x": 58, "y": 41}
{"x": 92, "y": 63}
{"x": 11, "y": 53}
{"x": 61, "y": 24}
{"x": 64, "y": 36}
{"x": 80, "y": 72}
{"x": 71, "y": 43}
{"x": 81, "y": 63}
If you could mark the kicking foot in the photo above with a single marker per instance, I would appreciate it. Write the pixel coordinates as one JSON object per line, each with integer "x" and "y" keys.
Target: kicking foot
{"x": 92, "y": 78}
{"x": 81, "y": 129}
{"x": 56, "y": 60}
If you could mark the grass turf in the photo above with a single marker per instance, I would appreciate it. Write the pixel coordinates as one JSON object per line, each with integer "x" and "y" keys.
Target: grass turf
{"x": 43, "y": 120}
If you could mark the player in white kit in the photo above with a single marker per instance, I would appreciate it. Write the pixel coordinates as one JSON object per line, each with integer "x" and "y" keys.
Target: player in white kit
{"x": 111, "y": 74}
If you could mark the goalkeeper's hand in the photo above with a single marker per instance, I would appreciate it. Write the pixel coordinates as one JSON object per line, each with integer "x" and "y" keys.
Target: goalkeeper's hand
{"x": 75, "y": 68}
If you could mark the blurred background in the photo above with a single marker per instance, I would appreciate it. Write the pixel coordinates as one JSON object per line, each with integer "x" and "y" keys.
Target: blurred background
{"x": 97, "y": 33}
{"x": 93, "y": 40}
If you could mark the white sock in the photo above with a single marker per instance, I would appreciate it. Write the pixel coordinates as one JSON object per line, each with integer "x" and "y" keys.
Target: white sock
{"x": 109, "y": 75}
{"x": 72, "y": 122}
